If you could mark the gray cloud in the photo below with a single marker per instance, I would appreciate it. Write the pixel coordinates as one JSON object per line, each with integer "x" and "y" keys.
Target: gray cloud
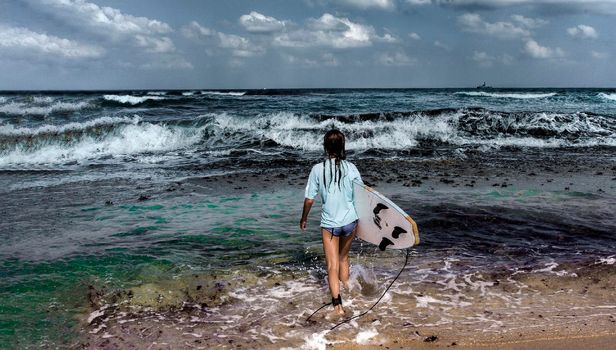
{"x": 237, "y": 45}
{"x": 110, "y": 23}
{"x": 398, "y": 58}
{"x": 535, "y": 50}
{"x": 333, "y": 32}
{"x": 258, "y": 23}
{"x": 472, "y": 22}
{"x": 414, "y": 36}
{"x": 546, "y": 6}
{"x": 583, "y": 32}
{"x": 486, "y": 60}
{"x": 369, "y": 4}
{"x": 22, "y": 42}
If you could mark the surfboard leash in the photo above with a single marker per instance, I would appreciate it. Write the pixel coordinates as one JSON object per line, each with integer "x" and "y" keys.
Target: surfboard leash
{"x": 406, "y": 260}
{"x": 317, "y": 310}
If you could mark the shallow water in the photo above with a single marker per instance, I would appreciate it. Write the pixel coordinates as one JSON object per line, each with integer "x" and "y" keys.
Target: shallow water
{"x": 251, "y": 261}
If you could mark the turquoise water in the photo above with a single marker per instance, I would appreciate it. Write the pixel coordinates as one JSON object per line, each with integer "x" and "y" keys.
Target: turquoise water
{"x": 131, "y": 244}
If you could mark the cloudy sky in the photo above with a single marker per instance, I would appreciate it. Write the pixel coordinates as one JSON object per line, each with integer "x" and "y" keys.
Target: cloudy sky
{"x": 121, "y": 44}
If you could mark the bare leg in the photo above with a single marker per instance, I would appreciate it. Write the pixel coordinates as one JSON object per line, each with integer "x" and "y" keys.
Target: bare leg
{"x": 343, "y": 256}
{"x": 330, "y": 247}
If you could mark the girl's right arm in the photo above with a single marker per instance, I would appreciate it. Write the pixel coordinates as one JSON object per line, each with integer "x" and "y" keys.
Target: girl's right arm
{"x": 307, "y": 205}
{"x": 312, "y": 188}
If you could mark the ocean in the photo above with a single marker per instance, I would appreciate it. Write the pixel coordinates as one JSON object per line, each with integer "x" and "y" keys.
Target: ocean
{"x": 128, "y": 211}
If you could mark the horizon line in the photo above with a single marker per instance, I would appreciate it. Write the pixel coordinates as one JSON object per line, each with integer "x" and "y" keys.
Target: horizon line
{"x": 307, "y": 88}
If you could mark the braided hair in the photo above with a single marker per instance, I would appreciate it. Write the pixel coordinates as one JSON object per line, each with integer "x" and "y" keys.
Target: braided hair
{"x": 333, "y": 144}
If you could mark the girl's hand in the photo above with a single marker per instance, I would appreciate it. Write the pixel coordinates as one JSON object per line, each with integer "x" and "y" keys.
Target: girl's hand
{"x": 302, "y": 225}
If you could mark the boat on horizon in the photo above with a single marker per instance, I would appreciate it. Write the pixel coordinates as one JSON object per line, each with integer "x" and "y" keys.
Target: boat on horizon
{"x": 483, "y": 86}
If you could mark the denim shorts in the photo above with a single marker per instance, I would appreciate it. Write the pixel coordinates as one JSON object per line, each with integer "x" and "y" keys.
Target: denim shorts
{"x": 342, "y": 231}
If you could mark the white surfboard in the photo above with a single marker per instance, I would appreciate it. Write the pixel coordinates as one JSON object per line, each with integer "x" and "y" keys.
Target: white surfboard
{"x": 381, "y": 222}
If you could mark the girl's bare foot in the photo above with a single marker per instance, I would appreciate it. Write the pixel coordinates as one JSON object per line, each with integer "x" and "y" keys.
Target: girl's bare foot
{"x": 338, "y": 310}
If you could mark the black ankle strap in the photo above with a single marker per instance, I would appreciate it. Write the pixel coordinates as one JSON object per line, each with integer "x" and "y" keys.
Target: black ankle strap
{"x": 337, "y": 301}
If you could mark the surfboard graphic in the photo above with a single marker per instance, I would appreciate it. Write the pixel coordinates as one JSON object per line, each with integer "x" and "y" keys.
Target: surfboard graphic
{"x": 381, "y": 221}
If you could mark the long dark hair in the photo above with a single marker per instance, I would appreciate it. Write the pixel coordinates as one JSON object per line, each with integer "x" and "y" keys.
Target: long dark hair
{"x": 333, "y": 144}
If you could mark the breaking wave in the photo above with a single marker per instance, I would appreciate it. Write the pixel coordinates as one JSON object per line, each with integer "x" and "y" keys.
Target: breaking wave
{"x": 397, "y": 131}
{"x": 99, "y": 138}
{"x": 42, "y": 99}
{"x": 220, "y": 93}
{"x": 132, "y": 100}
{"x": 19, "y": 108}
{"x": 611, "y": 97}
{"x": 504, "y": 95}
{"x": 217, "y": 133}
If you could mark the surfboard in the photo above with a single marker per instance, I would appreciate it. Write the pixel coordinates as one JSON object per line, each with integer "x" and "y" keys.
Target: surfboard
{"x": 381, "y": 221}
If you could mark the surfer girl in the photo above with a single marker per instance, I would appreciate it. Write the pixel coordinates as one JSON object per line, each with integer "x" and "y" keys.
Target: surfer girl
{"x": 333, "y": 179}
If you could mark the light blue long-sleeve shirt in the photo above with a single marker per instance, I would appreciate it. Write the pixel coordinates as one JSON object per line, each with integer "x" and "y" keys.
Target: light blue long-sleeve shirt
{"x": 338, "y": 208}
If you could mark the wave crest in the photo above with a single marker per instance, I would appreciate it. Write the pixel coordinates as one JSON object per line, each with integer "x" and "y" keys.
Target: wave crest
{"x": 505, "y": 95}
{"x": 99, "y": 138}
{"x": 132, "y": 100}
{"x": 611, "y": 97}
{"x": 220, "y": 93}
{"x": 19, "y": 108}
{"x": 399, "y": 131}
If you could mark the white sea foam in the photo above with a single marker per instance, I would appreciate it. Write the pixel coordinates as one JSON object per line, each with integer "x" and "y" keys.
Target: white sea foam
{"x": 42, "y": 99}
{"x": 296, "y": 131}
{"x": 316, "y": 341}
{"x": 289, "y": 289}
{"x": 364, "y": 337}
{"x": 95, "y": 314}
{"x": 11, "y": 130}
{"x": 122, "y": 140}
{"x": 220, "y": 93}
{"x": 157, "y": 93}
{"x": 549, "y": 268}
{"x": 132, "y": 100}
{"x": 19, "y": 108}
{"x": 610, "y": 260}
{"x": 3, "y": 99}
{"x": 188, "y": 93}
{"x": 610, "y": 97}
{"x": 300, "y": 131}
{"x": 505, "y": 95}
{"x": 426, "y": 300}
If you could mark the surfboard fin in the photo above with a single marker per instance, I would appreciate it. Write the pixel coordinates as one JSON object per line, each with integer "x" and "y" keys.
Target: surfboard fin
{"x": 397, "y": 232}
{"x": 384, "y": 243}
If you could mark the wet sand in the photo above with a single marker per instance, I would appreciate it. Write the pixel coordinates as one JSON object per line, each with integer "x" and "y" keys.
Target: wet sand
{"x": 569, "y": 307}
{"x": 572, "y": 342}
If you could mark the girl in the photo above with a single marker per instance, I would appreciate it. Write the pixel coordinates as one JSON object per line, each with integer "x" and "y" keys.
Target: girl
{"x": 333, "y": 179}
